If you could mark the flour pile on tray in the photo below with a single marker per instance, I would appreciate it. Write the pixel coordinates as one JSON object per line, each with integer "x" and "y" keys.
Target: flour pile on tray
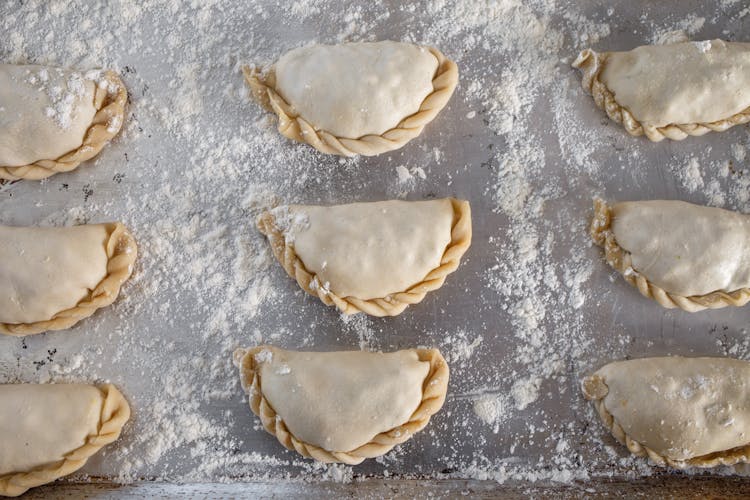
{"x": 197, "y": 162}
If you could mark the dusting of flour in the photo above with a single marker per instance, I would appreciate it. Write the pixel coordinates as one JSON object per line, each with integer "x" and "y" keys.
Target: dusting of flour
{"x": 531, "y": 309}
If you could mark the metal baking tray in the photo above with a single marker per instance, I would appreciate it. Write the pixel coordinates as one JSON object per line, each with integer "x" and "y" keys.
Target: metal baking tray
{"x": 531, "y": 309}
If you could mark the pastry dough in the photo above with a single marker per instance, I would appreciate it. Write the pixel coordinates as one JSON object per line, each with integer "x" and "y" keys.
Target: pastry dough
{"x": 671, "y": 91}
{"x": 376, "y": 258}
{"x": 355, "y": 98}
{"x": 50, "y": 430}
{"x": 54, "y": 277}
{"x": 343, "y": 406}
{"x": 52, "y": 119}
{"x": 681, "y": 412}
{"x": 679, "y": 254}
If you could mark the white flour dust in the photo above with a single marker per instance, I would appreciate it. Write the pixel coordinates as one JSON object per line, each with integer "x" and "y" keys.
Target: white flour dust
{"x": 532, "y": 308}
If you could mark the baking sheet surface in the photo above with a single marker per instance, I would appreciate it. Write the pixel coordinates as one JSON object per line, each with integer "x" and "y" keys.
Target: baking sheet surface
{"x": 532, "y": 308}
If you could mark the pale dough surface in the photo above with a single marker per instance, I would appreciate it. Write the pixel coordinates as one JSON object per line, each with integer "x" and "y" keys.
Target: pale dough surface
{"x": 356, "y": 89}
{"x": 339, "y": 401}
{"x": 682, "y": 83}
{"x": 45, "y": 270}
{"x": 44, "y": 113}
{"x": 369, "y": 250}
{"x": 683, "y": 248}
{"x": 681, "y": 407}
{"x": 40, "y": 424}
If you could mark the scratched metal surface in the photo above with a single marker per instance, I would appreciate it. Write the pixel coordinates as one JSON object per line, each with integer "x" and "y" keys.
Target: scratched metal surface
{"x": 467, "y": 302}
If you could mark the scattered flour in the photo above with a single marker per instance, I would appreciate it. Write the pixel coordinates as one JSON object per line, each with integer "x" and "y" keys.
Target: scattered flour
{"x": 197, "y": 162}
{"x": 690, "y": 174}
{"x": 491, "y": 410}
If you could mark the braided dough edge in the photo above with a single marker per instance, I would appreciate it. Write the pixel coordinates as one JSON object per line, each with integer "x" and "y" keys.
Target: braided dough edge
{"x": 391, "y": 305}
{"x": 104, "y": 126}
{"x": 121, "y": 252}
{"x": 619, "y": 258}
{"x": 115, "y": 412}
{"x": 434, "y": 390}
{"x": 293, "y": 126}
{"x": 595, "y": 389}
{"x": 591, "y": 64}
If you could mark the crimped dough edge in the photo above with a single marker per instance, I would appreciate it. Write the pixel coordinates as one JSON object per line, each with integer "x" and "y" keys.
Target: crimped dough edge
{"x": 591, "y": 64}
{"x": 434, "y": 390}
{"x": 595, "y": 389}
{"x": 293, "y": 126}
{"x": 106, "y": 123}
{"x": 121, "y": 252}
{"x": 115, "y": 412}
{"x": 393, "y": 304}
{"x": 620, "y": 260}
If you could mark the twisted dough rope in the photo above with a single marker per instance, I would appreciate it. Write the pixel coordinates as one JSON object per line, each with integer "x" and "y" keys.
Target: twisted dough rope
{"x": 107, "y": 121}
{"x": 434, "y": 389}
{"x": 115, "y": 412}
{"x": 591, "y": 64}
{"x": 293, "y": 126}
{"x": 595, "y": 389}
{"x": 620, "y": 259}
{"x": 121, "y": 252}
{"x": 391, "y": 305}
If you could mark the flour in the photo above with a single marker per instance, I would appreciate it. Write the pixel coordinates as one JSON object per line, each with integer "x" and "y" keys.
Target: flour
{"x": 690, "y": 174}
{"x": 197, "y": 161}
{"x": 525, "y": 392}
{"x": 406, "y": 175}
{"x": 491, "y": 410}
{"x": 686, "y": 28}
{"x": 703, "y": 46}
{"x": 64, "y": 92}
{"x": 290, "y": 222}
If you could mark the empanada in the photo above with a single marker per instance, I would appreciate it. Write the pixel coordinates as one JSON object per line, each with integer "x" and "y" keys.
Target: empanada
{"x": 52, "y": 119}
{"x": 48, "y": 431}
{"x": 672, "y": 90}
{"x": 377, "y": 257}
{"x": 681, "y": 412}
{"x": 54, "y": 277}
{"x": 355, "y": 98}
{"x": 679, "y": 254}
{"x": 343, "y": 406}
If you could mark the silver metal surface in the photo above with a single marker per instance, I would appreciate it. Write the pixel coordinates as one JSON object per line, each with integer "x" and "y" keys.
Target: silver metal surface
{"x": 154, "y": 334}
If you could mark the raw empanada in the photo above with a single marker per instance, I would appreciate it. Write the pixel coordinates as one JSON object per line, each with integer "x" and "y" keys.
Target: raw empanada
{"x": 672, "y": 90}
{"x": 681, "y": 412}
{"x": 54, "y": 277}
{"x": 355, "y": 98}
{"x": 52, "y": 119}
{"x": 48, "y": 431}
{"x": 343, "y": 406}
{"x": 377, "y": 257}
{"x": 679, "y": 254}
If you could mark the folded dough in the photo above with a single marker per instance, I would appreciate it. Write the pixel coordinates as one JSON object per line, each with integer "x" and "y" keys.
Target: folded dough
{"x": 671, "y": 91}
{"x": 343, "y": 406}
{"x": 681, "y": 412}
{"x": 355, "y": 98}
{"x": 679, "y": 254}
{"x": 376, "y": 258}
{"x": 52, "y": 119}
{"x": 50, "y": 430}
{"x": 54, "y": 277}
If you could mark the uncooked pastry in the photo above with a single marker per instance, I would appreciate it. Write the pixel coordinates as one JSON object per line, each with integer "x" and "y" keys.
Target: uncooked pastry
{"x": 52, "y": 119}
{"x": 50, "y": 430}
{"x": 377, "y": 257}
{"x": 679, "y": 254}
{"x": 343, "y": 406}
{"x": 54, "y": 277}
{"x": 355, "y": 98}
{"x": 681, "y": 412}
{"x": 672, "y": 91}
